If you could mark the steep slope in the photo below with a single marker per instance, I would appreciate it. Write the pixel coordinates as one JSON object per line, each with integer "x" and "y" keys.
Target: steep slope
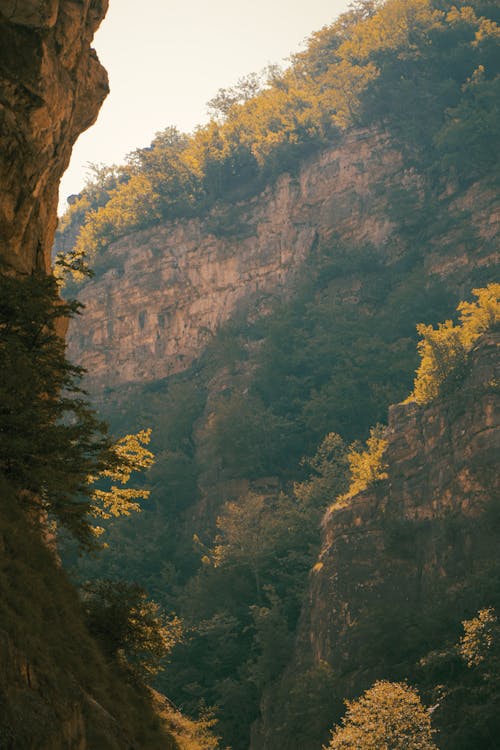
{"x": 56, "y": 688}
{"x": 160, "y": 295}
{"x": 403, "y": 563}
{"x": 315, "y": 310}
{"x": 257, "y": 287}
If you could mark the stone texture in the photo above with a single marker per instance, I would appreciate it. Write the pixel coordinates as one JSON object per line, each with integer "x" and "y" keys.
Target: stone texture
{"x": 167, "y": 289}
{"x": 51, "y": 89}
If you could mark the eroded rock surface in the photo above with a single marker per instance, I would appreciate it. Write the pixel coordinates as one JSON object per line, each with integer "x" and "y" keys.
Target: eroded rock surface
{"x": 51, "y": 89}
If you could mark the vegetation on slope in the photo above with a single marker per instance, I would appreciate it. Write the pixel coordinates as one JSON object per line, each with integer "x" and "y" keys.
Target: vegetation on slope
{"x": 426, "y": 70}
{"x": 57, "y": 681}
{"x": 444, "y": 352}
{"x": 240, "y": 607}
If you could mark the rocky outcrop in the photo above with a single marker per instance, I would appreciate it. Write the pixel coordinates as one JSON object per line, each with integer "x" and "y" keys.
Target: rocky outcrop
{"x": 161, "y": 293}
{"x": 51, "y": 89}
{"x": 169, "y": 288}
{"x": 397, "y": 565}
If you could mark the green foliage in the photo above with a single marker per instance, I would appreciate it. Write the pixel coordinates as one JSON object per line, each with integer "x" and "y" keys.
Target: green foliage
{"x": 52, "y": 447}
{"x": 130, "y": 628}
{"x": 475, "y": 122}
{"x": 330, "y": 473}
{"x": 388, "y": 715}
{"x": 241, "y": 609}
{"x": 444, "y": 351}
{"x": 245, "y": 439}
{"x": 321, "y": 364}
{"x": 427, "y": 74}
{"x": 466, "y": 689}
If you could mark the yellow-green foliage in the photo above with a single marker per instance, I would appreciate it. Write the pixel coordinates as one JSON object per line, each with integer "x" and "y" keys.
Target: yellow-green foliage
{"x": 189, "y": 734}
{"x": 129, "y": 455}
{"x": 444, "y": 350}
{"x": 388, "y": 715}
{"x": 366, "y": 466}
{"x": 478, "y": 638}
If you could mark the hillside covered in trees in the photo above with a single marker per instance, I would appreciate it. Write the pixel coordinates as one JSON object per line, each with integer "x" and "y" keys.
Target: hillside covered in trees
{"x": 272, "y": 426}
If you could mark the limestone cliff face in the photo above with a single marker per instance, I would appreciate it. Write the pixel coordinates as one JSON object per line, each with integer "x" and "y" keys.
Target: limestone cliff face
{"x": 167, "y": 289}
{"x": 52, "y": 87}
{"x": 409, "y": 545}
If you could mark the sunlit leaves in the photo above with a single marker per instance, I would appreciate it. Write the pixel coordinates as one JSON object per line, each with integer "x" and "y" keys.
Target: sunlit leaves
{"x": 444, "y": 350}
{"x": 388, "y": 715}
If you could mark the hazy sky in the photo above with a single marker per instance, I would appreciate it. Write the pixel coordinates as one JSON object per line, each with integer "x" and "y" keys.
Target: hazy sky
{"x": 167, "y": 58}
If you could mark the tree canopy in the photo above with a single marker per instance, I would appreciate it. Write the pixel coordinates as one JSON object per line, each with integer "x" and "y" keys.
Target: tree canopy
{"x": 389, "y": 715}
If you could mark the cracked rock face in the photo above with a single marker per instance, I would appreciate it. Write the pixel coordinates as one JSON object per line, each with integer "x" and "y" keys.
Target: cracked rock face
{"x": 51, "y": 89}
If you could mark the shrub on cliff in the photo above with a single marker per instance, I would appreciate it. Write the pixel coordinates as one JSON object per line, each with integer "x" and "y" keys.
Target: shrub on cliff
{"x": 444, "y": 350}
{"x": 130, "y": 628}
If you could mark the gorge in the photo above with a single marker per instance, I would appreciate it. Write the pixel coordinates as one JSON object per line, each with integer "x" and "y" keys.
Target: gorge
{"x": 257, "y": 286}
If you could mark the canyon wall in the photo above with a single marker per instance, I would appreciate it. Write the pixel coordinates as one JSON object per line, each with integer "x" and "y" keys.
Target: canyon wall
{"x": 398, "y": 563}
{"x": 160, "y": 294}
{"x": 56, "y": 690}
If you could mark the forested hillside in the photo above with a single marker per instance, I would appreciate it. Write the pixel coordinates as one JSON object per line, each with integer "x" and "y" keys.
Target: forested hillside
{"x": 258, "y": 286}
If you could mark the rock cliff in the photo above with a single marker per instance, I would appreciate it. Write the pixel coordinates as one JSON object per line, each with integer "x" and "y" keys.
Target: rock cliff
{"x": 160, "y": 294}
{"x": 397, "y": 566}
{"x": 52, "y": 87}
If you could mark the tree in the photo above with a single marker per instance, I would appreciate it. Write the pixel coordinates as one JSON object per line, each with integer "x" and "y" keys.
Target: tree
{"x": 479, "y": 636}
{"x": 330, "y": 473}
{"x": 52, "y": 446}
{"x": 130, "y": 628}
{"x": 366, "y": 466}
{"x": 444, "y": 350}
{"x": 388, "y": 716}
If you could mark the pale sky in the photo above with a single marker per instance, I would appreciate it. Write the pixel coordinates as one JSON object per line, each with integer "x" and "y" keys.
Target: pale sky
{"x": 167, "y": 58}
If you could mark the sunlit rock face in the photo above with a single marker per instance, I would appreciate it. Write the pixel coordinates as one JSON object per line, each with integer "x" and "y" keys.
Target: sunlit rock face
{"x": 161, "y": 293}
{"x": 52, "y": 89}
{"x": 406, "y": 546}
